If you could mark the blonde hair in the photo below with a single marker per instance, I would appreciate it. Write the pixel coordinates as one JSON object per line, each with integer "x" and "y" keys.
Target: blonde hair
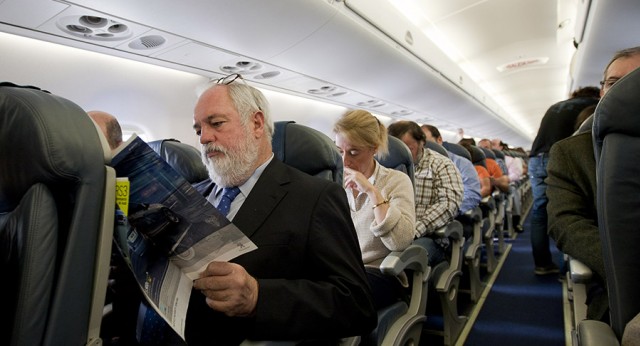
{"x": 363, "y": 129}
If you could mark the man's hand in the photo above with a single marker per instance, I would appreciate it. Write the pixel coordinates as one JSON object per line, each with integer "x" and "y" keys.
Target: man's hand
{"x": 228, "y": 288}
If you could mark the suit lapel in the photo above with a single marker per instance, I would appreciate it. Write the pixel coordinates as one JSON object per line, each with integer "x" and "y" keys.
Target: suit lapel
{"x": 263, "y": 198}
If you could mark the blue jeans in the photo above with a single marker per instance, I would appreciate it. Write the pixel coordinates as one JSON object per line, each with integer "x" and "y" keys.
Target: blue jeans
{"x": 539, "y": 236}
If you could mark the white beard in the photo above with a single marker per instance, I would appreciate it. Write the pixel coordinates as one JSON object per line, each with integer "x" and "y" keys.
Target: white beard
{"x": 236, "y": 165}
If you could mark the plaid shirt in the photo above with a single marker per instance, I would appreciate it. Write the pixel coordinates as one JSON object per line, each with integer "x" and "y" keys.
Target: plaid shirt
{"x": 439, "y": 192}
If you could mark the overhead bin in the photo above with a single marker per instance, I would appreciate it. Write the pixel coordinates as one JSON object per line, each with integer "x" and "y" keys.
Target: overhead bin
{"x": 355, "y": 53}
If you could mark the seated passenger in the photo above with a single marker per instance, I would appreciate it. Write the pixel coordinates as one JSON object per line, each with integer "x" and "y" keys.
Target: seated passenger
{"x": 573, "y": 217}
{"x": 499, "y": 180}
{"x": 109, "y": 126}
{"x": 515, "y": 171}
{"x": 470, "y": 179}
{"x": 439, "y": 189}
{"x": 306, "y": 279}
{"x": 487, "y": 144}
{"x": 483, "y": 175}
{"x": 381, "y": 200}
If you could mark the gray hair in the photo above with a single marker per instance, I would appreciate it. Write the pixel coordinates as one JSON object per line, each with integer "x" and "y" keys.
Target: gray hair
{"x": 249, "y": 100}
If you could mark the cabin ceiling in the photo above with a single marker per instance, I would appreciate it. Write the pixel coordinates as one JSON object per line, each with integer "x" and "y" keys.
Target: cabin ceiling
{"x": 355, "y": 53}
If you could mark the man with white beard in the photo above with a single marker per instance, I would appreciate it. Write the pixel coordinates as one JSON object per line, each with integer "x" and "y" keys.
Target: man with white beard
{"x": 306, "y": 280}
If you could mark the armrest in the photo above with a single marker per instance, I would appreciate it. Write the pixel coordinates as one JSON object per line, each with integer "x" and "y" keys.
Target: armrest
{"x": 488, "y": 202}
{"x": 579, "y": 272}
{"x": 414, "y": 257}
{"x": 596, "y": 333}
{"x": 452, "y": 230}
{"x": 498, "y": 196}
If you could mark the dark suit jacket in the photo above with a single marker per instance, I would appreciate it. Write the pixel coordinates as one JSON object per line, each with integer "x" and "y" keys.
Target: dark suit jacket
{"x": 573, "y": 217}
{"x": 312, "y": 283}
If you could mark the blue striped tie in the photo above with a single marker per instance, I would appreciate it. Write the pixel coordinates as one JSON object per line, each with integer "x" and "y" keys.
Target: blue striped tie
{"x": 228, "y": 195}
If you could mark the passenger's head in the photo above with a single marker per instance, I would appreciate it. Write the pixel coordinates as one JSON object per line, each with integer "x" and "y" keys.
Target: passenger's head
{"x": 235, "y": 128}
{"x": 411, "y": 134}
{"x": 359, "y": 136}
{"x": 497, "y": 144}
{"x": 109, "y": 126}
{"x": 469, "y": 141}
{"x": 623, "y": 62}
{"x": 432, "y": 133}
{"x": 588, "y": 91}
{"x": 484, "y": 143}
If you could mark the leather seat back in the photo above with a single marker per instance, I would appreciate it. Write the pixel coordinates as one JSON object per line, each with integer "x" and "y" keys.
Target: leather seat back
{"x": 57, "y": 201}
{"x": 184, "y": 158}
{"x": 307, "y": 149}
{"x": 616, "y": 134}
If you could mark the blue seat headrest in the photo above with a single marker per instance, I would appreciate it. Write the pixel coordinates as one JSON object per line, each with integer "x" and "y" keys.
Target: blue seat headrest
{"x": 437, "y": 148}
{"x": 307, "y": 149}
{"x": 478, "y": 157}
{"x": 184, "y": 158}
{"x": 498, "y": 153}
{"x": 457, "y": 149}
{"x": 488, "y": 153}
{"x": 399, "y": 157}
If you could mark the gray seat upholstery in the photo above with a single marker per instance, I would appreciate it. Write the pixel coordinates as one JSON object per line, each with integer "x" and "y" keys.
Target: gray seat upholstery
{"x": 399, "y": 323}
{"x": 437, "y": 148}
{"x": 473, "y": 224}
{"x": 488, "y": 153}
{"x": 478, "y": 156}
{"x": 616, "y": 134}
{"x": 457, "y": 149}
{"x": 184, "y": 158}
{"x": 399, "y": 158}
{"x": 57, "y": 207}
{"x": 307, "y": 149}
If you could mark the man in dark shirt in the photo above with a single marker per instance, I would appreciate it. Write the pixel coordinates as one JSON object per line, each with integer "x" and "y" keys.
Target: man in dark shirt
{"x": 557, "y": 123}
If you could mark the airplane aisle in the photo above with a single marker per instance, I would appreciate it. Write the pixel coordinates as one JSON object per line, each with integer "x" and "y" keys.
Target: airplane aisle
{"x": 521, "y": 307}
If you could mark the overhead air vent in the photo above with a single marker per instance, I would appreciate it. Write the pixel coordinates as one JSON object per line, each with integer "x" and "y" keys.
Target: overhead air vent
{"x": 424, "y": 120}
{"x": 94, "y": 28}
{"x": 401, "y": 113}
{"x": 147, "y": 42}
{"x": 267, "y": 75}
{"x": 372, "y": 104}
{"x": 243, "y": 67}
{"x": 327, "y": 91}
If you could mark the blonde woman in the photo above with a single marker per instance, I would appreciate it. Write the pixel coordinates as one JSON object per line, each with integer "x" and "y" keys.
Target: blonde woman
{"x": 381, "y": 200}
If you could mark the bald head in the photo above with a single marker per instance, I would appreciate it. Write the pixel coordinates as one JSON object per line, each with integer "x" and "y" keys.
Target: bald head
{"x": 109, "y": 126}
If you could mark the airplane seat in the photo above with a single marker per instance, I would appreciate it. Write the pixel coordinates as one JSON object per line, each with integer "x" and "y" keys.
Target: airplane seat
{"x": 457, "y": 149}
{"x": 399, "y": 158}
{"x": 57, "y": 208}
{"x": 616, "y": 139}
{"x": 402, "y": 323}
{"x": 500, "y": 158}
{"x": 507, "y": 226}
{"x": 489, "y": 209}
{"x": 446, "y": 282}
{"x": 500, "y": 200}
{"x": 477, "y": 156}
{"x": 437, "y": 148}
{"x": 307, "y": 149}
{"x": 473, "y": 250}
{"x": 184, "y": 158}
{"x": 473, "y": 224}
